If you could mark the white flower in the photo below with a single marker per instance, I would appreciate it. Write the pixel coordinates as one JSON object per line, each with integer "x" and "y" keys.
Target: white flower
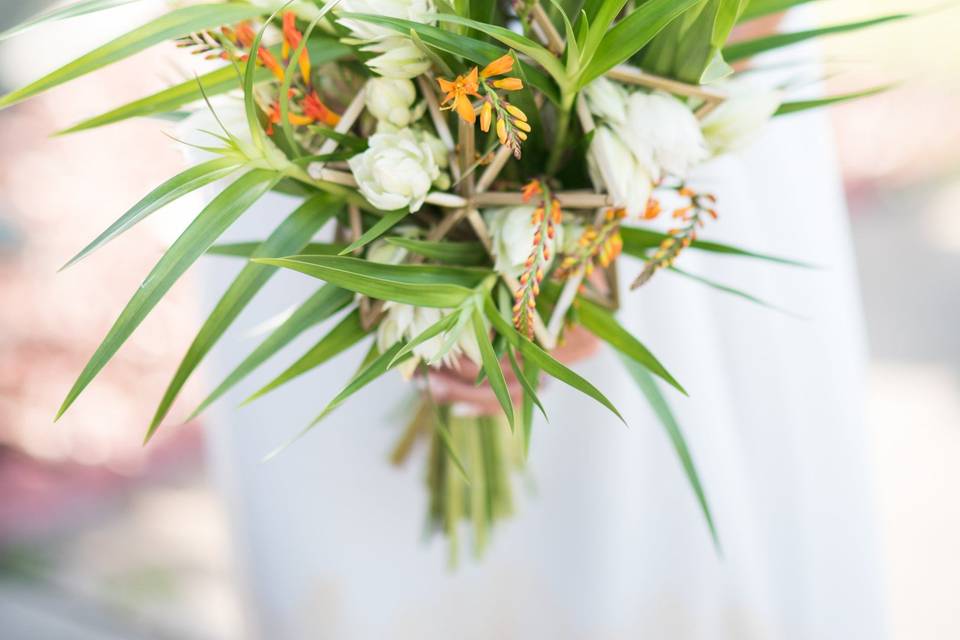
{"x": 406, "y": 322}
{"x": 512, "y": 233}
{"x": 399, "y": 58}
{"x": 663, "y": 133}
{"x": 741, "y": 118}
{"x": 391, "y": 100}
{"x": 612, "y": 163}
{"x": 422, "y": 11}
{"x": 607, "y": 100}
{"x": 396, "y": 171}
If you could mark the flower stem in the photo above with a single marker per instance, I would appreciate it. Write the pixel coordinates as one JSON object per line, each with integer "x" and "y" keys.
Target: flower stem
{"x": 563, "y": 128}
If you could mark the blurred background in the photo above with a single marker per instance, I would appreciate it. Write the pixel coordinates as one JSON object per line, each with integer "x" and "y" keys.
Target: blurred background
{"x": 102, "y": 538}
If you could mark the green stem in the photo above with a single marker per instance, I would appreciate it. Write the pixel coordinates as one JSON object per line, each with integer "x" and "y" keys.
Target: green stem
{"x": 563, "y": 129}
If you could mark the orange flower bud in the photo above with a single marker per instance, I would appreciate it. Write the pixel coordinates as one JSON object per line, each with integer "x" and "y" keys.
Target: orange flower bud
{"x": 520, "y": 124}
{"x": 516, "y": 112}
{"x": 509, "y": 84}
{"x": 502, "y": 130}
{"x": 503, "y": 64}
{"x": 486, "y": 115}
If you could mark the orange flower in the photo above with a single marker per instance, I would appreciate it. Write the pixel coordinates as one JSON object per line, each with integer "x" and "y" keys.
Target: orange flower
{"x": 457, "y": 94}
{"x": 291, "y": 40}
{"x": 509, "y": 84}
{"x": 486, "y": 114}
{"x": 531, "y": 189}
{"x": 500, "y": 66}
{"x": 267, "y": 59}
{"x": 317, "y": 111}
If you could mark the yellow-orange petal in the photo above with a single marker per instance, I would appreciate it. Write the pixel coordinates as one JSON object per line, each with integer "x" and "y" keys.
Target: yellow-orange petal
{"x": 503, "y": 64}
{"x": 465, "y": 109}
{"x": 502, "y": 130}
{"x": 516, "y": 112}
{"x": 509, "y": 84}
{"x": 486, "y": 115}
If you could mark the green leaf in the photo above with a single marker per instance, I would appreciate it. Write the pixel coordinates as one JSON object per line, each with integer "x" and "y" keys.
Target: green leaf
{"x": 459, "y": 253}
{"x": 788, "y": 108}
{"x": 202, "y": 232}
{"x": 631, "y": 34}
{"x": 476, "y": 51}
{"x": 602, "y": 324}
{"x": 213, "y": 83}
{"x": 317, "y": 308}
{"x": 367, "y": 375}
{"x": 180, "y": 185}
{"x": 62, "y": 13}
{"x": 443, "y": 325}
{"x": 750, "y": 48}
{"x": 530, "y": 397}
{"x": 246, "y": 249}
{"x": 384, "y": 224}
{"x": 491, "y": 365}
{"x": 420, "y": 285}
{"x": 662, "y": 410}
{"x": 601, "y": 15}
{"x": 515, "y": 41}
{"x": 732, "y": 291}
{"x": 176, "y": 24}
{"x": 760, "y": 8}
{"x": 540, "y": 358}
{"x": 290, "y": 236}
{"x": 637, "y": 241}
{"x": 344, "y": 335}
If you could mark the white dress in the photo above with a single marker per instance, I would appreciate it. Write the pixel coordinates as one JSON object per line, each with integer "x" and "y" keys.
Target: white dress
{"x": 608, "y": 541}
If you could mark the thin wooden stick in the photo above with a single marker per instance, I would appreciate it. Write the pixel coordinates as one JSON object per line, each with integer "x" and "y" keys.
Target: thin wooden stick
{"x": 568, "y": 199}
{"x": 493, "y": 169}
{"x": 632, "y": 75}
{"x": 543, "y": 27}
{"x": 356, "y": 227}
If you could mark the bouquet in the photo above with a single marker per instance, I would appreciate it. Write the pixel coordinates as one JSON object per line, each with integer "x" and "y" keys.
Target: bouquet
{"x": 488, "y": 169}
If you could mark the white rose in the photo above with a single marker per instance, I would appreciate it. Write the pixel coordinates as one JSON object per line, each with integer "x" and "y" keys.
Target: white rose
{"x": 512, "y": 233}
{"x": 741, "y": 118}
{"x": 396, "y": 171}
{"x": 663, "y": 134}
{"x": 391, "y": 100}
{"x": 399, "y": 58}
{"x": 406, "y": 322}
{"x": 607, "y": 100}
{"x": 611, "y": 162}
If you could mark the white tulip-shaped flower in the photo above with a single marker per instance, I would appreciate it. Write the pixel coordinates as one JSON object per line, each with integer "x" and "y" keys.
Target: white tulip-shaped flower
{"x": 399, "y": 57}
{"x": 406, "y": 322}
{"x": 512, "y": 234}
{"x": 607, "y": 100}
{"x": 741, "y": 118}
{"x": 396, "y": 171}
{"x": 663, "y": 134}
{"x": 391, "y": 101}
{"x": 628, "y": 181}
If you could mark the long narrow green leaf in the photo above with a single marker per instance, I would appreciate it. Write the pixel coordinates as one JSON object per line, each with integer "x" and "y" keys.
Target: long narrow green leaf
{"x": 788, "y": 108}
{"x": 737, "y": 293}
{"x": 62, "y": 13}
{"x": 662, "y": 410}
{"x": 602, "y": 324}
{"x": 367, "y": 375}
{"x": 344, "y": 335}
{"x": 246, "y": 249}
{"x": 491, "y": 365}
{"x": 760, "y": 8}
{"x": 384, "y": 224}
{"x": 317, "y": 308}
{"x": 177, "y": 23}
{"x": 439, "y": 327}
{"x": 449, "y": 252}
{"x": 630, "y": 35}
{"x": 476, "y": 51}
{"x": 636, "y": 243}
{"x": 202, "y": 232}
{"x": 547, "y": 363}
{"x": 513, "y": 40}
{"x": 530, "y": 397}
{"x": 750, "y": 48}
{"x": 420, "y": 285}
{"x": 180, "y": 185}
{"x": 290, "y": 236}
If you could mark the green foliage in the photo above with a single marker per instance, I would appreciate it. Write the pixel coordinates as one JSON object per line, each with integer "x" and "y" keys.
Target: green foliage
{"x": 798, "y": 106}
{"x": 71, "y": 10}
{"x": 195, "y": 240}
{"x": 176, "y": 24}
{"x": 637, "y": 242}
{"x": 290, "y": 236}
